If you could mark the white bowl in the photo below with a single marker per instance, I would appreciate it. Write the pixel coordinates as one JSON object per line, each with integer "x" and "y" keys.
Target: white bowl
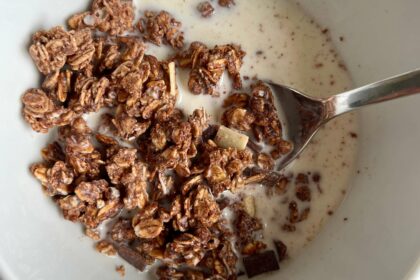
{"x": 381, "y": 239}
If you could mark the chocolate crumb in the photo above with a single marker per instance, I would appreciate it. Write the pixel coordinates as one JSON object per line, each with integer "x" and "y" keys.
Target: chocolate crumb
{"x": 325, "y": 30}
{"x": 316, "y": 177}
{"x": 341, "y": 38}
{"x": 121, "y": 270}
{"x": 353, "y": 135}
{"x": 260, "y": 263}
{"x": 346, "y": 219}
{"x": 318, "y": 187}
{"x": 342, "y": 66}
{"x": 319, "y": 65}
{"x": 288, "y": 227}
{"x": 330, "y": 212}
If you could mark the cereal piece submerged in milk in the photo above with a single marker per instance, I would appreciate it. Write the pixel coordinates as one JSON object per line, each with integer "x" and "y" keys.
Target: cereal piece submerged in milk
{"x": 246, "y": 226}
{"x": 226, "y": 3}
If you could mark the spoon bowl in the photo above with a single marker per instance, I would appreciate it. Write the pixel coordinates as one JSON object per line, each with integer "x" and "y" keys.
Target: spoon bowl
{"x": 303, "y": 115}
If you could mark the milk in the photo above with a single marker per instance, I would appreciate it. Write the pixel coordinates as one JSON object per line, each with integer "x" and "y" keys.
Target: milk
{"x": 283, "y": 45}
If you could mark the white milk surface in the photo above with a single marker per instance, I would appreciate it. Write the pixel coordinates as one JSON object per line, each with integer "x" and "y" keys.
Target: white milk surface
{"x": 283, "y": 45}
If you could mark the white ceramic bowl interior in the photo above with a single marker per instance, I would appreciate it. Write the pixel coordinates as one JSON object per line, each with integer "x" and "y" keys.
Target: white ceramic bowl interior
{"x": 381, "y": 239}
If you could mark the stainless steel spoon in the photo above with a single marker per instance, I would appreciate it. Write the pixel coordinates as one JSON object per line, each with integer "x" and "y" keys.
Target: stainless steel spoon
{"x": 303, "y": 115}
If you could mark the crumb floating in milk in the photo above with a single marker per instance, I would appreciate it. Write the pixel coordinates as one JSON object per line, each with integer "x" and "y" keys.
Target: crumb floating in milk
{"x": 161, "y": 159}
{"x": 121, "y": 270}
{"x": 205, "y": 8}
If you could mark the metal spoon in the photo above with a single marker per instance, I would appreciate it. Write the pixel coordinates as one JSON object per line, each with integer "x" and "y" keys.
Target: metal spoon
{"x": 303, "y": 115}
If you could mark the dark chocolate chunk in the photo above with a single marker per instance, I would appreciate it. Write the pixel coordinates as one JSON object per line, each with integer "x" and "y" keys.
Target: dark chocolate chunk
{"x": 281, "y": 249}
{"x": 260, "y": 263}
{"x": 254, "y": 146}
{"x": 251, "y": 171}
{"x": 223, "y": 202}
{"x": 132, "y": 256}
{"x": 210, "y": 132}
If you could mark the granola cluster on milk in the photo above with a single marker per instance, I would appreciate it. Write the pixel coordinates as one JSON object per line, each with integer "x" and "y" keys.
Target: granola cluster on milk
{"x": 165, "y": 171}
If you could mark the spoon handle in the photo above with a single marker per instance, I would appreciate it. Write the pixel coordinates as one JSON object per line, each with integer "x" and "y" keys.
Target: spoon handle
{"x": 395, "y": 87}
